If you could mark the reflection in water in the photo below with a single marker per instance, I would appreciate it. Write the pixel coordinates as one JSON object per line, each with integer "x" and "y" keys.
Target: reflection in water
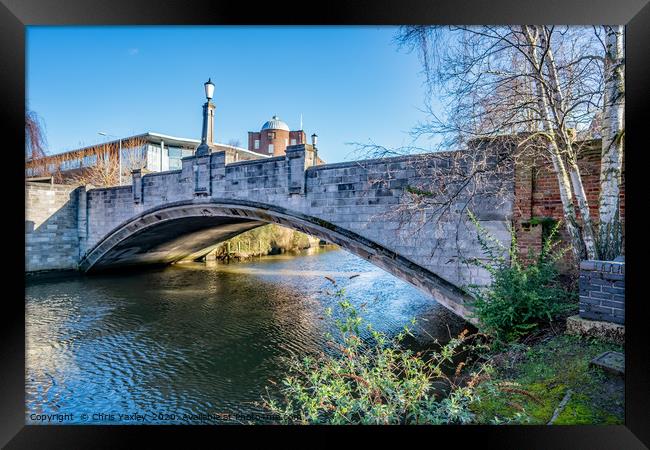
{"x": 197, "y": 339}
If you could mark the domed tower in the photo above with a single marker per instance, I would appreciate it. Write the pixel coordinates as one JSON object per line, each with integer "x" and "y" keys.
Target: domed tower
{"x": 274, "y": 138}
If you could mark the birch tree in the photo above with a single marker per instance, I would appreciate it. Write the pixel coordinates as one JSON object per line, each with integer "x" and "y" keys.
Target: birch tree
{"x": 540, "y": 84}
{"x": 552, "y": 114}
{"x": 613, "y": 132}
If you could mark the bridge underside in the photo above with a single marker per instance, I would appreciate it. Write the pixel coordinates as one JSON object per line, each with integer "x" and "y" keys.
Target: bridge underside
{"x": 172, "y": 241}
{"x": 188, "y": 230}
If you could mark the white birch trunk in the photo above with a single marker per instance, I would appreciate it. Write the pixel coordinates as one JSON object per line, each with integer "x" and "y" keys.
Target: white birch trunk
{"x": 583, "y": 206}
{"x": 613, "y": 129}
{"x": 566, "y": 196}
{"x": 556, "y": 99}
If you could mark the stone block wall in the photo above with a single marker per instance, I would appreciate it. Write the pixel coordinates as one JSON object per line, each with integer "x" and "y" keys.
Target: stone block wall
{"x": 602, "y": 291}
{"x": 360, "y": 196}
{"x": 51, "y": 227}
{"x": 367, "y": 197}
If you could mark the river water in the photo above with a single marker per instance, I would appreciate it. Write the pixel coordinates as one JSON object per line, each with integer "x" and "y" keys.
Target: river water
{"x": 196, "y": 343}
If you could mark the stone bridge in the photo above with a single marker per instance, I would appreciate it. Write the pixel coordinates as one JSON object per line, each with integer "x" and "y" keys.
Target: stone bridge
{"x": 179, "y": 215}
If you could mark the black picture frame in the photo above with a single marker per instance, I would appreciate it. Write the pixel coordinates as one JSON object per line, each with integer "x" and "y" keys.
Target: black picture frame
{"x": 15, "y": 15}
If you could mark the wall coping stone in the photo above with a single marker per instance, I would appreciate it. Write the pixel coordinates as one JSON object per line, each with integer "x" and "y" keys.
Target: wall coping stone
{"x": 603, "y": 266}
{"x": 158, "y": 174}
{"x": 255, "y": 161}
{"x": 111, "y": 188}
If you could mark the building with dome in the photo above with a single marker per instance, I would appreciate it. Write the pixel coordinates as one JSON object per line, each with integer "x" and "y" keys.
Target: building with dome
{"x": 274, "y": 138}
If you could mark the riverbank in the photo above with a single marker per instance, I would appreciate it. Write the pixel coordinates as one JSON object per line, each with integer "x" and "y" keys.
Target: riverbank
{"x": 263, "y": 241}
{"x": 549, "y": 377}
{"x": 198, "y": 340}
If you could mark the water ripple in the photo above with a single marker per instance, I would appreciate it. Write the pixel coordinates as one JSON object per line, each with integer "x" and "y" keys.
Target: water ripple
{"x": 193, "y": 339}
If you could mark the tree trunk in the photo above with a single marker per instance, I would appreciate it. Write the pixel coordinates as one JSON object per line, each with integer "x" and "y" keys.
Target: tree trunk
{"x": 613, "y": 130}
{"x": 583, "y": 207}
{"x": 556, "y": 99}
{"x": 566, "y": 196}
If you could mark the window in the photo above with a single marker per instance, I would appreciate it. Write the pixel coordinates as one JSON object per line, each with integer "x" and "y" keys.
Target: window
{"x": 271, "y": 135}
{"x": 70, "y": 164}
{"x": 286, "y": 141}
{"x": 175, "y": 164}
{"x": 293, "y": 142}
{"x": 257, "y": 144}
{"x": 270, "y": 148}
{"x": 90, "y": 160}
{"x": 153, "y": 158}
{"x": 175, "y": 155}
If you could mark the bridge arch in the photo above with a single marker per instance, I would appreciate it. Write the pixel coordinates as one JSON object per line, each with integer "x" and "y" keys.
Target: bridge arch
{"x": 185, "y": 229}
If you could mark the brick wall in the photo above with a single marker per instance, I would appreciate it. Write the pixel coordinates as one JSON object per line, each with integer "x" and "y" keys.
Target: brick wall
{"x": 280, "y": 142}
{"x": 51, "y": 233}
{"x": 537, "y": 197}
{"x": 602, "y": 291}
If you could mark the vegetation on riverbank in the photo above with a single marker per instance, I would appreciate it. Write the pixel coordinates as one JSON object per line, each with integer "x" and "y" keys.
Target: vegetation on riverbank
{"x": 523, "y": 370}
{"x": 265, "y": 240}
{"x": 541, "y": 375}
{"x": 367, "y": 377}
{"x": 522, "y": 295}
{"x": 534, "y": 382}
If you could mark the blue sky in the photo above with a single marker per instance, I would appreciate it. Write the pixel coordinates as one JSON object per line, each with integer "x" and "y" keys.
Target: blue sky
{"x": 351, "y": 84}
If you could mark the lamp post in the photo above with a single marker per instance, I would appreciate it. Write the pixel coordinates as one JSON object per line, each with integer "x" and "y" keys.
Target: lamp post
{"x": 119, "y": 155}
{"x": 207, "y": 135}
{"x": 314, "y": 140}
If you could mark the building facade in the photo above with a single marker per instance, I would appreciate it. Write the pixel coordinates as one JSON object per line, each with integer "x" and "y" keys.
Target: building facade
{"x": 274, "y": 138}
{"x": 149, "y": 152}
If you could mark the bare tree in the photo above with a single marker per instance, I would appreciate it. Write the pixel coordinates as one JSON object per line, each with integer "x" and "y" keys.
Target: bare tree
{"x": 98, "y": 165}
{"x": 103, "y": 170}
{"x": 234, "y": 142}
{"x": 552, "y": 114}
{"x": 35, "y": 141}
{"x": 540, "y": 85}
{"x": 613, "y": 131}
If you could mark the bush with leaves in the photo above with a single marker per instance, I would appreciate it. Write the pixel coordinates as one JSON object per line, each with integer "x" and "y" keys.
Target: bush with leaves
{"x": 375, "y": 380}
{"x": 522, "y": 294}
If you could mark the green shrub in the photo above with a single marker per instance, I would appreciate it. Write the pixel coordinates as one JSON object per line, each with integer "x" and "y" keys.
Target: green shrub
{"x": 522, "y": 294}
{"x": 376, "y": 381}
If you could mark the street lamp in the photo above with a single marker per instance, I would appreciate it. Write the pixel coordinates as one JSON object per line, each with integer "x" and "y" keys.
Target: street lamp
{"x": 209, "y": 89}
{"x": 119, "y": 154}
{"x": 207, "y": 134}
{"x": 314, "y": 139}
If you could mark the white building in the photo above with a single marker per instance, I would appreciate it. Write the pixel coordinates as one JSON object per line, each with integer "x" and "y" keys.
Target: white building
{"x": 150, "y": 152}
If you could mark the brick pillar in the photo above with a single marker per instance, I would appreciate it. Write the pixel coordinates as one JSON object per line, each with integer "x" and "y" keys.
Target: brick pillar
{"x": 602, "y": 291}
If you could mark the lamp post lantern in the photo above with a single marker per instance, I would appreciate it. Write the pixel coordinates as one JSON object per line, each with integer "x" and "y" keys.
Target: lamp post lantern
{"x": 207, "y": 135}
{"x": 209, "y": 89}
{"x": 314, "y": 140}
